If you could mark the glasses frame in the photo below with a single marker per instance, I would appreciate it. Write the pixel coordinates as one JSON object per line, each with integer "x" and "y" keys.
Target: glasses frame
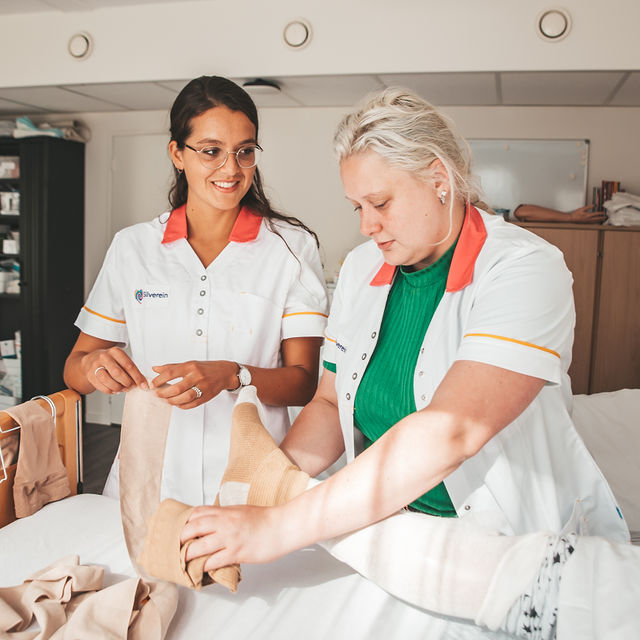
{"x": 234, "y": 153}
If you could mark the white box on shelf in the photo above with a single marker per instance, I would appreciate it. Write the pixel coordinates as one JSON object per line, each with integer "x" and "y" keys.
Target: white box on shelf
{"x": 7, "y": 348}
{"x": 9, "y": 167}
{"x": 9, "y": 203}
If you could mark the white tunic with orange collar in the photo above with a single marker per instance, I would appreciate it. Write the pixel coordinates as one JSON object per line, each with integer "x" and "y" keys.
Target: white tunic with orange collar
{"x": 508, "y": 303}
{"x": 154, "y": 295}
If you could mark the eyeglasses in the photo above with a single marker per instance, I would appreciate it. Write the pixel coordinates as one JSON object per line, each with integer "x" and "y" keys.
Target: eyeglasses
{"x": 216, "y": 157}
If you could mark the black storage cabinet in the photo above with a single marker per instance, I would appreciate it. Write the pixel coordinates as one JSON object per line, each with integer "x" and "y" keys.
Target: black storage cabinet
{"x": 51, "y": 225}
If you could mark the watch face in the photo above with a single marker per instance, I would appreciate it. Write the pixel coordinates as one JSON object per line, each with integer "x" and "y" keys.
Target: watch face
{"x": 244, "y": 375}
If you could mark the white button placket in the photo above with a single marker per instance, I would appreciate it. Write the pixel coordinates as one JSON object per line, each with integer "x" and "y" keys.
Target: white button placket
{"x": 360, "y": 366}
{"x": 202, "y": 306}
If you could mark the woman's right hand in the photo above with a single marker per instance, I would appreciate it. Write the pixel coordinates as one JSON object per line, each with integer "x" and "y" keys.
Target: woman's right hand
{"x": 111, "y": 370}
{"x": 100, "y": 364}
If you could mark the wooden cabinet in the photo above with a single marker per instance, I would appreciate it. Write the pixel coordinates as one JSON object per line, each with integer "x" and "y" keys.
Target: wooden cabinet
{"x": 605, "y": 263}
{"x": 51, "y": 257}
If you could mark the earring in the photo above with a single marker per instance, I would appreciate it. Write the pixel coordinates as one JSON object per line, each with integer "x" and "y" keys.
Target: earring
{"x": 443, "y": 195}
{"x": 181, "y": 170}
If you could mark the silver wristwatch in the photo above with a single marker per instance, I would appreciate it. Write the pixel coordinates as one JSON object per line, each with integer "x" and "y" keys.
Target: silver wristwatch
{"x": 244, "y": 377}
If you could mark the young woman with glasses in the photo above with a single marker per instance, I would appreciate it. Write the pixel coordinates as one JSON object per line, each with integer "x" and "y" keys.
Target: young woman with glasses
{"x": 219, "y": 293}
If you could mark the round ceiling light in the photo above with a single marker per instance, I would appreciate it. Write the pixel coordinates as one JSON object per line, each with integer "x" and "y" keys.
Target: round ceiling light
{"x": 80, "y": 45}
{"x": 297, "y": 33}
{"x": 553, "y": 24}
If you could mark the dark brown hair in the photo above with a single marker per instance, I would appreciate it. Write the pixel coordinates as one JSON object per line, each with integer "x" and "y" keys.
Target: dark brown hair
{"x": 198, "y": 96}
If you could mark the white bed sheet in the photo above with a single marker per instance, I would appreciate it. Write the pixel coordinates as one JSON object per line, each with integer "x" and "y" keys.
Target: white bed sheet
{"x": 609, "y": 424}
{"x": 307, "y": 594}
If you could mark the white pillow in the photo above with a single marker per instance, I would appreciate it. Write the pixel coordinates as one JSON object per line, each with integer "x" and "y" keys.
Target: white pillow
{"x": 609, "y": 424}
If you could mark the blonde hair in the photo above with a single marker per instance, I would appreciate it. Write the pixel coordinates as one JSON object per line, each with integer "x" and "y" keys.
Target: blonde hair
{"x": 409, "y": 133}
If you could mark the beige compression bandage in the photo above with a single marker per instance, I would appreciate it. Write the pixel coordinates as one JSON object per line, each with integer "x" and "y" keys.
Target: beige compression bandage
{"x": 258, "y": 473}
{"x": 68, "y": 601}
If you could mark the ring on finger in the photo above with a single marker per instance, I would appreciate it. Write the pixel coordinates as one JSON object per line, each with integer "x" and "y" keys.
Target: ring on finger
{"x": 198, "y": 392}
{"x": 95, "y": 373}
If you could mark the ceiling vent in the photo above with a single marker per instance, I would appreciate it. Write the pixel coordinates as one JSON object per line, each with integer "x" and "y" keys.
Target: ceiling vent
{"x": 80, "y": 45}
{"x": 297, "y": 33}
{"x": 553, "y": 24}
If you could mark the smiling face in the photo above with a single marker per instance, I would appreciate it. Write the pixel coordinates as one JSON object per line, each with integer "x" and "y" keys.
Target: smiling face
{"x": 400, "y": 212}
{"x": 219, "y": 190}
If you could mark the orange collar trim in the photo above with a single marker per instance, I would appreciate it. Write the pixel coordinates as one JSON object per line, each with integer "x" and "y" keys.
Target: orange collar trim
{"x": 176, "y": 225}
{"x": 245, "y": 228}
{"x": 470, "y": 242}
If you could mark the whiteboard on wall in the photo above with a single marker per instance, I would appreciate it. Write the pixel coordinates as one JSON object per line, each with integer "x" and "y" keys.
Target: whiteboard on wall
{"x": 549, "y": 173}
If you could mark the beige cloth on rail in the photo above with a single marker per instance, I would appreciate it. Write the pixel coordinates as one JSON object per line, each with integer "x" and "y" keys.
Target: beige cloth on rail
{"x": 68, "y": 602}
{"x": 40, "y": 475}
{"x": 9, "y": 448}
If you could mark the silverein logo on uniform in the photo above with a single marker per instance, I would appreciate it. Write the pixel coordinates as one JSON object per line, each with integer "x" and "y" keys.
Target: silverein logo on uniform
{"x": 142, "y": 294}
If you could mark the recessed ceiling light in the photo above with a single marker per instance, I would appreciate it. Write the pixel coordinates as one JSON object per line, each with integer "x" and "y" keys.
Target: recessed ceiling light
{"x": 80, "y": 45}
{"x": 297, "y": 33}
{"x": 553, "y": 24}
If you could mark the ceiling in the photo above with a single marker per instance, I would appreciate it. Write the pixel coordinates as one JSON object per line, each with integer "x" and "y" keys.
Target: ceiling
{"x": 41, "y": 6}
{"x": 548, "y": 88}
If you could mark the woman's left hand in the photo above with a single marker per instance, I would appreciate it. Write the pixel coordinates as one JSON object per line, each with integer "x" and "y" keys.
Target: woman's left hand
{"x": 209, "y": 377}
{"x": 234, "y": 535}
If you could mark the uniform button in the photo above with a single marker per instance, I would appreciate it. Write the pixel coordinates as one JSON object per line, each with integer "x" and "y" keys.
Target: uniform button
{"x": 348, "y": 396}
{"x": 199, "y": 332}
{"x": 420, "y": 373}
{"x": 200, "y": 311}
{"x": 364, "y": 356}
{"x": 203, "y": 278}
{"x": 422, "y": 350}
{"x": 374, "y": 334}
{"x": 203, "y": 293}
{"x": 467, "y": 507}
{"x": 423, "y": 397}
{"x": 354, "y": 376}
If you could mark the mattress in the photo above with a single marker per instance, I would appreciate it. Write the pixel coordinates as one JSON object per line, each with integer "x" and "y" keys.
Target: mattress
{"x": 307, "y": 594}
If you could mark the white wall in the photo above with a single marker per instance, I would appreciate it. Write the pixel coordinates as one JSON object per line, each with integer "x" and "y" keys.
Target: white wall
{"x": 300, "y": 172}
{"x": 239, "y": 39}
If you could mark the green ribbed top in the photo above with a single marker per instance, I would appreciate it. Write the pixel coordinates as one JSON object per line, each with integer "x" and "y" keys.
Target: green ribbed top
{"x": 385, "y": 394}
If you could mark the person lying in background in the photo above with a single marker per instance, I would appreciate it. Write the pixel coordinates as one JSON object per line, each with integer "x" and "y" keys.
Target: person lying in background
{"x": 581, "y": 215}
{"x": 447, "y": 350}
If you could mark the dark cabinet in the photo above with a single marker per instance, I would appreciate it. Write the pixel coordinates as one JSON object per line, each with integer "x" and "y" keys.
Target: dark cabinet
{"x": 605, "y": 262}
{"x": 50, "y": 223}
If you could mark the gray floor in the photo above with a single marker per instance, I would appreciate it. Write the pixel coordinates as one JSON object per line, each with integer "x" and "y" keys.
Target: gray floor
{"x": 100, "y": 443}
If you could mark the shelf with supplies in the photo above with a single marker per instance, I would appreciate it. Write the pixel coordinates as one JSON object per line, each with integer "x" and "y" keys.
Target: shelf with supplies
{"x": 42, "y": 251}
{"x": 605, "y": 263}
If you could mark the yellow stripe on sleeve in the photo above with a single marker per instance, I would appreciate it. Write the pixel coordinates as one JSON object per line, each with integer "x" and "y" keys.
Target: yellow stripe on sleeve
{"x": 329, "y": 339}
{"x": 95, "y": 313}
{"x": 526, "y": 344}
{"x": 305, "y": 313}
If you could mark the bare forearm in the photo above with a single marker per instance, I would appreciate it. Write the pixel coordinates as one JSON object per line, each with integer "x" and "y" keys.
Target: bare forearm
{"x": 535, "y": 213}
{"x": 74, "y": 376}
{"x": 315, "y": 440}
{"x": 413, "y": 457}
{"x": 285, "y": 386}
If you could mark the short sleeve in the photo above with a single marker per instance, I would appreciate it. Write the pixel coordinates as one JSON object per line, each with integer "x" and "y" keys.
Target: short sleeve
{"x": 305, "y": 312}
{"x": 523, "y": 315}
{"x": 103, "y": 315}
{"x": 330, "y": 346}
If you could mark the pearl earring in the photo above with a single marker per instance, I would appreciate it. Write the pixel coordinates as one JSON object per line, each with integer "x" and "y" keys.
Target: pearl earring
{"x": 443, "y": 195}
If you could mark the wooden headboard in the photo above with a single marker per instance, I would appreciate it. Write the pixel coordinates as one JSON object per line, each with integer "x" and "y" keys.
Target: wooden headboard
{"x": 68, "y": 418}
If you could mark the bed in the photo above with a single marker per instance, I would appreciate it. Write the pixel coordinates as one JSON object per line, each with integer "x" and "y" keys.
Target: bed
{"x": 307, "y": 594}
